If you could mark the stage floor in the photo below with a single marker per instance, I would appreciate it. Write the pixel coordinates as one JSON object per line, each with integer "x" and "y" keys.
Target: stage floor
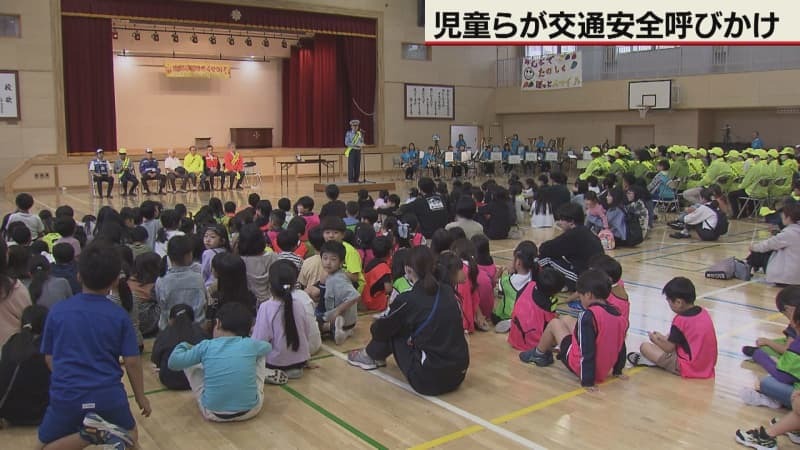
{"x": 502, "y": 403}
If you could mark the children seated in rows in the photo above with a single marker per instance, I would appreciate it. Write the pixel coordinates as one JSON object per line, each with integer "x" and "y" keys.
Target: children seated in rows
{"x": 534, "y": 309}
{"x": 522, "y": 270}
{"x": 705, "y": 219}
{"x": 337, "y": 310}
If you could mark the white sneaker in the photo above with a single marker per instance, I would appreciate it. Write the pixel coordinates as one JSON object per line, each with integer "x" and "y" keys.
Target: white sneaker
{"x": 504, "y": 326}
{"x": 754, "y": 398}
{"x": 339, "y": 334}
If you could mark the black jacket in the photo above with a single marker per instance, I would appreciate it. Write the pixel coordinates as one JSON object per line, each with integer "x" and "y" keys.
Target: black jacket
{"x": 431, "y": 212}
{"x": 576, "y": 246}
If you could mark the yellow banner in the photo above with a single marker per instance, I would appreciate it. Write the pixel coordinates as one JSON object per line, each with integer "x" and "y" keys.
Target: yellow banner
{"x": 197, "y": 70}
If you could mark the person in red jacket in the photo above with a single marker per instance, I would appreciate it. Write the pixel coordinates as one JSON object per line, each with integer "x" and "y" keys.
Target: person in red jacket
{"x": 234, "y": 167}
{"x": 212, "y": 169}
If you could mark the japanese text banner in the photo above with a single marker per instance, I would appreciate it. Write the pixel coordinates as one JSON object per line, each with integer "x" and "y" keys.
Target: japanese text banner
{"x": 552, "y": 72}
{"x": 506, "y": 22}
{"x": 197, "y": 70}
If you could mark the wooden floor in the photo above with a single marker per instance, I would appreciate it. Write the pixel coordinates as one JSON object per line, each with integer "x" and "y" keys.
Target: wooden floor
{"x": 503, "y": 403}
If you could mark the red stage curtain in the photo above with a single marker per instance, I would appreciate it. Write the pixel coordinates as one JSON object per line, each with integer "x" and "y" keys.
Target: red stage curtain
{"x": 219, "y": 13}
{"x": 359, "y": 60}
{"x": 297, "y": 96}
{"x": 89, "y": 84}
{"x": 328, "y": 109}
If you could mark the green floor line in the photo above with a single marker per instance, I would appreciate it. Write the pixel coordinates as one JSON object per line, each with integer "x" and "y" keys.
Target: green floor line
{"x": 318, "y": 357}
{"x": 355, "y": 431}
{"x": 154, "y": 391}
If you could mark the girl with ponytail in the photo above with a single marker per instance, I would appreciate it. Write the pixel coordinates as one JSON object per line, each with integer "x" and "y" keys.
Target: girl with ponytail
{"x": 181, "y": 328}
{"x": 468, "y": 289}
{"x": 282, "y": 321}
{"x": 45, "y": 289}
{"x": 24, "y": 376}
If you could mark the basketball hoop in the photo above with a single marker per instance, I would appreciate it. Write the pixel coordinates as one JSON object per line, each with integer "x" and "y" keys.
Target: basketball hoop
{"x": 643, "y": 110}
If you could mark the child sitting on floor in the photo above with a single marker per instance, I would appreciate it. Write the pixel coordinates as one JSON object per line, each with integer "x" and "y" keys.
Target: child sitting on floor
{"x": 523, "y": 269}
{"x": 534, "y": 308}
{"x": 227, "y": 373}
{"x": 181, "y": 328}
{"x": 595, "y": 346}
{"x": 378, "y": 275}
{"x": 690, "y": 350}
{"x": 337, "y": 312}
{"x": 787, "y": 300}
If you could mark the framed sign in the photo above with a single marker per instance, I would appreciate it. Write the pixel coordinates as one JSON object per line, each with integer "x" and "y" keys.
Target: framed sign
{"x": 9, "y": 95}
{"x": 430, "y": 101}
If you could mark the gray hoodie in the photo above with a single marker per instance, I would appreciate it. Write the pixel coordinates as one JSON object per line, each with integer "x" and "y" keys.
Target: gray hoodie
{"x": 257, "y": 271}
{"x": 181, "y": 285}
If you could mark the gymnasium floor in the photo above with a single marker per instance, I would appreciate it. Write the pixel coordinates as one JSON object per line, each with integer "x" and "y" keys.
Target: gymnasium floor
{"x": 503, "y": 403}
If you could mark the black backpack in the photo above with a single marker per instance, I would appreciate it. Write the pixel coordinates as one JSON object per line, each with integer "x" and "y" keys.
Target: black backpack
{"x": 635, "y": 235}
{"x": 722, "y": 222}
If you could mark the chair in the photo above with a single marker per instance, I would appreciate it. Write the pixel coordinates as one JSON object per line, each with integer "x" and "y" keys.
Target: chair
{"x": 397, "y": 163}
{"x": 252, "y": 176}
{"x": 756, "y": 203}
{"x": 666, "y": 206}
{"x": 92, "y": 185}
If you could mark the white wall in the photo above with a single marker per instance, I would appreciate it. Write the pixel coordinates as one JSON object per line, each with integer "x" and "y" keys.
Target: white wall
{"x": 156, "y": 111}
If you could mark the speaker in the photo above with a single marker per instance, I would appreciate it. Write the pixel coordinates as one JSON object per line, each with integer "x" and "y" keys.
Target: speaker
{"x": 421, "y": 13}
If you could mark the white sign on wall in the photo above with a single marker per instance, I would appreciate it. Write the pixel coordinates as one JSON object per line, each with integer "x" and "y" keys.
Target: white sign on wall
{"x": 548, "y": 72}
{"x": 9, "y": 95}
{"x": 430, "y": 101}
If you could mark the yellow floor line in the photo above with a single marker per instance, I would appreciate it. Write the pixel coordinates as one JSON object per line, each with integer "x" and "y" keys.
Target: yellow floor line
{"x": 513, "y": 415}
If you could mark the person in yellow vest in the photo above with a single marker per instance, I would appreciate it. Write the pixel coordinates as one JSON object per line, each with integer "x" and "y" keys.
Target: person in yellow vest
{"x": 598, "y": 166}
{"x": 696, "y": 165}
{"x": 193, "y": 163}
{"x": 734, "y": 158}
{"x": 751, "y": 185}
{"x": 353, "y": 140}
{"x": 716, "y": 170}
{"x": 644, "y": 165}
{"x": 617, "y": 166}
{"x": 125, "y": 169}
{"x": 783, "y": 175}
{"x": 788, "y": 158}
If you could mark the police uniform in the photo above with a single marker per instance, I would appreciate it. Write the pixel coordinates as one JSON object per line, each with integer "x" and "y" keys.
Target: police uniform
{"x": 101, "y": 173}
{"x": 354, "y": 140}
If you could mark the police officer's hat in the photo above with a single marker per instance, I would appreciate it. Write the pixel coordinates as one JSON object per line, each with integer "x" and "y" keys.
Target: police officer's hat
{"x": 355, "y": 122}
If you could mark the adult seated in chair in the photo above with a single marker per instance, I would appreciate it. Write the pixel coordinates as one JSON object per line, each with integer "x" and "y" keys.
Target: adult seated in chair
{"x": 423, "y": 330}
{"x": 125, "y": 170}
{"x": 409, "y": 162}
{"x": 212, "y": 170}
{"x": 751, "y": 185}
{"x": 101, "y": 173}
{"x": 234, "y": 167}
{"x": 193, "y": 163}
{"x": 175, "y": 171}
{"x": 149, "y": 171}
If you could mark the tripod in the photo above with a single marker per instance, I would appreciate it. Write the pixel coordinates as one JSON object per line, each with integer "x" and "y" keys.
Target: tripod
{"x": 364, "y": 179}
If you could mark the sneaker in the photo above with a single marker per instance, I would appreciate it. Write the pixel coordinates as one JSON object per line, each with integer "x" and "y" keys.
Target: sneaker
{"x": 679, "y": 235}
{"x": 504, "y": 326}
{"x": 756, "y": 438}
{"x": 98, "y": 431}
{"x": 276, "y": 376}
{"x": 294, "y": 374}
{"x": 535, "y": 357}
{"x": 360, "y": 358}
{"x": 339, "y": 335}
{"x": 380, "y": 362}
{"x": 793, "y": 436}
{"x": 676, "y": 225}
{"x": 748, "y": 350}
{"x": 754, "y": 398}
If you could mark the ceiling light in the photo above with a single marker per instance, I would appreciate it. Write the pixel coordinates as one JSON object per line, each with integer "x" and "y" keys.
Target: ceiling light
{"x": 136, "y": 35}
{"x": 175, "y": 37}
{"x": 231, "y": 41}
{"x": 194, "y": 38}
{"x": 115, "y": 34}
{"x": 265, "y": 42}
{"x": 212, "y": 39}
{"x": 155, "y": 36}
{"x": 284, "y": 44}
{"x": 248, "y": 42}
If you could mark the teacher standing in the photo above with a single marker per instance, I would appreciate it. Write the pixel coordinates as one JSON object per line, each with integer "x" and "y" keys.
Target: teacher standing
{"x": 354, "y": 140}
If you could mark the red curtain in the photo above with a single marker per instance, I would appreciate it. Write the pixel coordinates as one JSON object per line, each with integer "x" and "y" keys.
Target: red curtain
{"x": 89, "y": 84}
{"x": 359, "y": 60}
{"x": 328, "y": 109}
{"x": 297, "y": 96}
{"x": 220, "y": 13}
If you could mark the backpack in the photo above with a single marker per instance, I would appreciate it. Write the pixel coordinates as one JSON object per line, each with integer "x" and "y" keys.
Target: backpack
{"x": 635, "y": 235}
{"x": 729, "y": 268}
{"x": 606, "y": 239}
{"x": 528, "y": 320}
{"x": 722, "y": 222}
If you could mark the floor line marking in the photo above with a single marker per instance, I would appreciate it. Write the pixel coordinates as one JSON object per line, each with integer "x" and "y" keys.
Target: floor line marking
{"x": 334, "y": 418}
{"x": 711, "y": 296}
{"x": 447, "y": 406}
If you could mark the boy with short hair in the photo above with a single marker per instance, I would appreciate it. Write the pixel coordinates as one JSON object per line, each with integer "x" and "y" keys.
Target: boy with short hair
{"x": 277, "y": 218}
{"x": 285, "y": 205}
{"x": 337, "y": 311}
{"x": 305, "y": 207}
{"x": 618, "y": 297}
{"x": 690, "y": 350}
{"x": 334, "y": 207}
{"x": 183, "y": 282}
{"x": 230, "y": 212}
{"x": 351, "y": 210}
{"x": 595, "y": 347}
{"x": 64, "y": 266}
{"x": 333, "y": 229}
{"x": 150, "y": 222}
{"x": 288, "y": 243}
{"x": 65, "y": 226}
{"x": 24, "y": 202}
{"x": 378, "y": 275}
{"x": 138, "y": 243}
{"x": 227, "y": 373}
{"x": 84, "y": 338}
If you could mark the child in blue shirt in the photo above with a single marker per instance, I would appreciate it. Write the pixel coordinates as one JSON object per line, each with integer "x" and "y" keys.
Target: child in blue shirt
{"x": 83, "y": 339}
{"x": 229, "y": 385}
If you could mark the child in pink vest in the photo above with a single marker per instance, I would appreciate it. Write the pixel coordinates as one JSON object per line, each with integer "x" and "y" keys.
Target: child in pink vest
{"x": 618, "y": 297}
{"x": 487, "y": 273}
{"x": 595, "y": 347}
{"x": 534, "y": 309}
{"x": 690, "y": 350}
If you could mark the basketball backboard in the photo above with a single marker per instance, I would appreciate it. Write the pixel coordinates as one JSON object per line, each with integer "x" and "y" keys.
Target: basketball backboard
{"x": 655, "y": 94}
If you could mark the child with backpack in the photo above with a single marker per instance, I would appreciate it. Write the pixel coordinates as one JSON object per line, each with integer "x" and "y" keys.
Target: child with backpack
{"x": 523, "y": 269}
{"x": 181, "y": 328}
{"x": 378, "y": 275}
{"x": 24, "y": 375}
{"x": 706, "y": 220}
{"x": 534, "y": 309}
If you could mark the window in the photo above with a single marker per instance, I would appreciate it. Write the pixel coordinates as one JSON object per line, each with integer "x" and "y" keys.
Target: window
{"x": 416, "y": 52}
{"x": 9, "y": 25}
{"x": 642, "y": 48}
{"x": 544, "y": 50}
